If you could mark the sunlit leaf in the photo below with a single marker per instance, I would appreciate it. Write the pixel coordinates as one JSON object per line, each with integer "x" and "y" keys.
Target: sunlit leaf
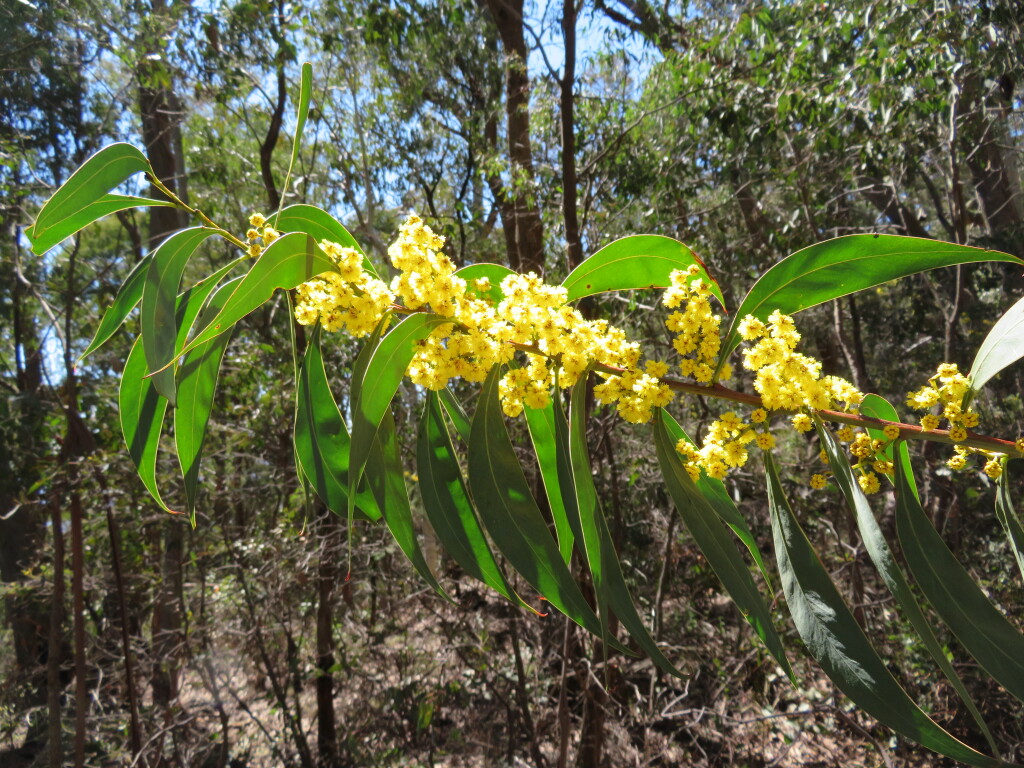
{"x": 319, "y": 225}
{"x": 288, "y": 262}
{"x": 882, "y": 557}
{"x": 456, "y": 413}
{"x": 541, "y": 424}
{"x": 94, "y": 211}
{"x": 838, "y": 644}
{"x": 159, "y": 296}
{"x": 986, "y": 634}
{"x": 494, "y": 273}
{"x": 1006, "y": 511}
{"x": 715, "y": 542}
{"x": 375, "y": 388}
{"x": 93, "y": 179}
{"x": 447, "y": 503}
{"x": 842, "y": 266}
{"x": 1002, "y": 347}
{"x": 633, "y": 263}
{"x": 142, "y": 411}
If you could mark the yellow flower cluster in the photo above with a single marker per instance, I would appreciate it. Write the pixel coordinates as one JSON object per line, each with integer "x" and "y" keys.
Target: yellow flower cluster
{"x": 259, "y": 230}
{"x": 349, "y": 299}
{"x": 786, "y": 379}
{"x": 946, "y": 390}
{"x": 724, "y": 448}
{"x": 697, "y": 328}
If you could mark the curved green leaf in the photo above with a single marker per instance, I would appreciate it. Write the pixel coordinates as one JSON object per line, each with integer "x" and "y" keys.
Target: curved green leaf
{"x": 196, "y": 386}
{"x": 541, "y": 425}
{"x": 715, "y": 493}
{"x": 142, "y": 411}
{"x": 715, "y": 543}
{"x": 593, "y": 532}
{"x": 305, "y": 95}
{"x": 386, "y": 478}
{"x": 882, "y": 557}
{"x": 321, "y": 436}
{"x": 877, "y": 407}
{"x": 838, "y": 644}
{"x": 320, "y": 225}
{"x": 842, "y": 266}
{"x": 93, "y": 179}
{"x": 495, "y": 273}
{"x": 1002, "y": 347}
{"x": 447, "y": 504}
{"x": 159, "y": 295}
{"x": 375, "y": 388}
{"x": 125, "y": 300}
{"x": 511, "y": 516}
{"x": 632, "y": 263}
{"x": 456, "y": 413}
{"x": 1006, "y": 511}
{"x": 981, "y": 628}
{"x": 94, "y": 211}
{"x": 289, "y": 261}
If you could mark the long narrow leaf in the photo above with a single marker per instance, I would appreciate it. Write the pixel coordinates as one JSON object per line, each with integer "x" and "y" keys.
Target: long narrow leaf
{"x": 386, "y": 478}
{"x": 878, "y": 407}
{"x": 321, "y": 437}
{"x": 94, "y": 178}
{"x": 635, "y": 262}
{"x": 125, "y": 300}
{"x": 92, "y": 212}
{"x": 376, "y": 387}
{"x": 595, "y": 536}
{"x": 510, "y": 513}
{"x": 718, "y": 497}
{"x": 541, "y": 425}
{"x": 715, "y": 542}
{"x": 196, "y": 384}
{"x": 1006, "y": 511}
{"x": 838, "y": 644}
{"x": 882, "y": 557}
{"x": 456, "y": 413}
{"x": 142, "y": 411}
{"x": 842, "y": 266}
{"x": 447, "y": 503}
{"x": 320, "y": 225}
{"x": 159, "y": 295}
{"x": 286, "y": 263}
{"x": 1002, "y": 347}
{"x": 981, "y": 628}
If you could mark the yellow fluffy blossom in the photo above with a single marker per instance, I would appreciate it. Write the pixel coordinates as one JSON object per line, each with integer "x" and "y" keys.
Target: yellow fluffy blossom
{"x": 929, "y": 422}
{"x": 818, "y": 481}
{"x": 869, "y": 483}
{"x": 957, "y": 434}
{"x": 257, "y": 220}
{"x": 802, "y": 422}
{"x": 994, "y": 468}
{"x": 891, "y": 431}
{"x": 957, "y": 462}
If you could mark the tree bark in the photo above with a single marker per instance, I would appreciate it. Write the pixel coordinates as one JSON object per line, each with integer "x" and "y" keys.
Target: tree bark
{"x": 570, "y": 216}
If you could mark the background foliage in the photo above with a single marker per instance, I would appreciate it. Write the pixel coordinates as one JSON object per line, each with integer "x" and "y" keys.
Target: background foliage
{"x": 745, "y": 130}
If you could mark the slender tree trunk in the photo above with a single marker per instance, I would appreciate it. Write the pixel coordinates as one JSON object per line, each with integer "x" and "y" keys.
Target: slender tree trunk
{"x": 573, "y": 246}
{"x": 327, "y": 579}
{"x": 529, "y": 229}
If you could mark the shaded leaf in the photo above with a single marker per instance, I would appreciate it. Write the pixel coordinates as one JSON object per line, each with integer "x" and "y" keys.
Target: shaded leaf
{"x": 593, "y": 532}
{"x": 715, "y": 542}
{"x": 320, "y": 225}
{"x": 456, "y": 413}
{"x": 838, "y": 644}
{"x": 633, "y": 263}
{"x": 511, "y": 516}
{"x": 447, "y": 504}
{"x": 981, "y": 628}
{"x": 159, "y": 296}
{"x": 93, "y": 179}
{"x": 882, "y": 557}
{"x": 386, "y": 478}
{"x": 541, "y": 425}
{"x": 142, "y": 411}
{"x": 878, "y": 407}
{"x": 321, "y": 436}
